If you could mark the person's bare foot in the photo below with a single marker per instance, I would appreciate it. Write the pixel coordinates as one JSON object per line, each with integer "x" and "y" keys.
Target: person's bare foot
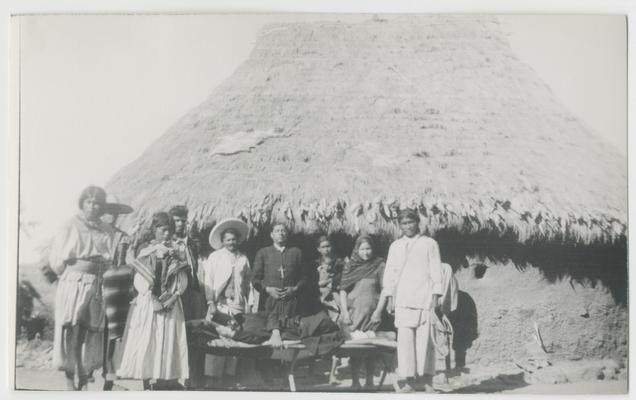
{"x": 425, "y": 384}
{"x": 333, "y": 380}
{"x": 428, "y": 388}
{"x": 404, "y": 386}
{"x": 70, "y": 381}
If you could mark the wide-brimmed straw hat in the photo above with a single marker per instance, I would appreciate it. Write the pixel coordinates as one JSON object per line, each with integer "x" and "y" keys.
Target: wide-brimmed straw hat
{"x": 230, "y": 223}
{"x": 114, "y": 207}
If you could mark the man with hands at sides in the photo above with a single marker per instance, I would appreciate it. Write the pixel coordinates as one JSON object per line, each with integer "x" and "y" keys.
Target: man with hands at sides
{"x": 412, "y": 285}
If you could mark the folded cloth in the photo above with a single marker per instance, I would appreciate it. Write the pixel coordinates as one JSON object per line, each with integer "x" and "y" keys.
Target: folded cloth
{"x": 441, "y": 333}
{"x": 450, "y": 289}
{"x": 117, "y": 292}
{"x": 357, "y": 335}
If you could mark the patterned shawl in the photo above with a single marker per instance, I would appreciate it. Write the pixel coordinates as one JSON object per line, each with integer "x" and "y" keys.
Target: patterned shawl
{"x": 356, "y": 268}
{"x": 158, "y": 272}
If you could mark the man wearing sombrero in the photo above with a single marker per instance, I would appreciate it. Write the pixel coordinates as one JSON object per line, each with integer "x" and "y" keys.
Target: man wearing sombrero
{"x": 225, "y": 278}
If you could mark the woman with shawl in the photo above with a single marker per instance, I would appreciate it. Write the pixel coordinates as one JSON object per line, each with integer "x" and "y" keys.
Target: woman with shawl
{"x": 154, "y": 343}
{"x": 361, "y": 304}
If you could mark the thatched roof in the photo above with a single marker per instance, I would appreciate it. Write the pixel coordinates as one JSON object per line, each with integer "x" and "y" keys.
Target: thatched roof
{"x": 335, "y": 126}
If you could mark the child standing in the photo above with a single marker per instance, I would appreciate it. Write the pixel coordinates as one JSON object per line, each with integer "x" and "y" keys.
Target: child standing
{"x": 329, "y": 269}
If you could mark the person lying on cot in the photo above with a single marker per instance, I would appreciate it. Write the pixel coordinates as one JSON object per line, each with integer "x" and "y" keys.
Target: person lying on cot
{"x": 317, "y": 332}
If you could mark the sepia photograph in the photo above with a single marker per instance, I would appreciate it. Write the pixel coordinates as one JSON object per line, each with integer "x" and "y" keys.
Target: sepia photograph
{"x": 307, "y": 202}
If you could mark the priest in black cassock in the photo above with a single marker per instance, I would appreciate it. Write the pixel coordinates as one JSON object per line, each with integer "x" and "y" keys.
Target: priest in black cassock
{"x": 279, "y": 275}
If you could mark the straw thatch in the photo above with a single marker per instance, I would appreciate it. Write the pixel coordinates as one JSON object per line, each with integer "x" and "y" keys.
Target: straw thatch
{"x": 336, "y": 126}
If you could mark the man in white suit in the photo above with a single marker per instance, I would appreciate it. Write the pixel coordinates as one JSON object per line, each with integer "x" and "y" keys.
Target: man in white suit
{"x": 413, "y": 286}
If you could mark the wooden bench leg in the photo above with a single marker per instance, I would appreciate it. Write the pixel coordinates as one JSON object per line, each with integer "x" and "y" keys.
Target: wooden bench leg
{"x": 382, "y": 378}
{"x": 387, "y": 371}
{"x": 292, "y": 366}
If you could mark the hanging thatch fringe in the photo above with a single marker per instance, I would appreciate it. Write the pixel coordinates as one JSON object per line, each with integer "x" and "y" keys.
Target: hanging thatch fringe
{"x": 493, "y": 215}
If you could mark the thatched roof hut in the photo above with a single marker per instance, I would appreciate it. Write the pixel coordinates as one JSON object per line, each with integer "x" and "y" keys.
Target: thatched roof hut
{"x": 335, "y": 126}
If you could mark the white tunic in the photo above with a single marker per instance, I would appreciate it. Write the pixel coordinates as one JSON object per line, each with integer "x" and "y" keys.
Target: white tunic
{"x": 221, "y": 268}
{"x": 78, "y": 295}
{"x": 80, "y": 239}
{"x": 413, "y": 273}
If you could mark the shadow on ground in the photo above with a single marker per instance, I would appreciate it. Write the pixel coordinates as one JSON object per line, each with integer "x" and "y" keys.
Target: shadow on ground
{"x": 495, "y": 384}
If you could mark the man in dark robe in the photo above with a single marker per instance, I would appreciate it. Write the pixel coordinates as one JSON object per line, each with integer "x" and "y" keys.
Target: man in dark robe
{"x": 279, "y": 275}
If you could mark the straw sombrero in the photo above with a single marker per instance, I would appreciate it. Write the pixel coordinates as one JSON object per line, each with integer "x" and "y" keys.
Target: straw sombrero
{"x": 114, "y": 207}
{"x": 232, "y": 223}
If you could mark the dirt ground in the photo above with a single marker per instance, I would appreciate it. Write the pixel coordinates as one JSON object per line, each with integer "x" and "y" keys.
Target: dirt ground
{"x": 503, "y": 378}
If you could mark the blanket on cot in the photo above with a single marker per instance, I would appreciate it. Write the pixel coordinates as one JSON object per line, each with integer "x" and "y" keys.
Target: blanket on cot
{"x": 317, "y": 333}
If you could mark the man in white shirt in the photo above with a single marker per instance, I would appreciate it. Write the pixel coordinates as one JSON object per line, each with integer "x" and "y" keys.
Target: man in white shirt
{"x": 225, "y": 278}
{"x": 413, "y": 285}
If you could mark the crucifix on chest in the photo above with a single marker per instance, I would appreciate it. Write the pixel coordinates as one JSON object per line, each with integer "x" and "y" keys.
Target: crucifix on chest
{"x": 281, "y": 270}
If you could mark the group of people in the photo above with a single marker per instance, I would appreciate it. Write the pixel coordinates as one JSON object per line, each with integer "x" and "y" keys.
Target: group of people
{"x": 123, "y": 304}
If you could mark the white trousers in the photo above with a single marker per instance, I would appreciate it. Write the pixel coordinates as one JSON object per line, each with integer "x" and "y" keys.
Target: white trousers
{"x": 415, "y": 351}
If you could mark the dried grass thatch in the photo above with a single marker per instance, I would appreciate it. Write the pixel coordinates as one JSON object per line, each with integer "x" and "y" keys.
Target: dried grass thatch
{"x": 336, "y": 126}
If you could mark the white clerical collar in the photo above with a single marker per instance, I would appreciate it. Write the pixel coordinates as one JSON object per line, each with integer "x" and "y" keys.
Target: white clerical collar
{"x": 279, "y": 248}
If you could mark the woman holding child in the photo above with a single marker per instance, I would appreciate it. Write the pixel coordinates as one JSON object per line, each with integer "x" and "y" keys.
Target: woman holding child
{"x": 154, "y": 342}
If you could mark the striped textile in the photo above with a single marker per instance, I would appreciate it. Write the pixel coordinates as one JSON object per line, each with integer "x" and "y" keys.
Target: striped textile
{"x": 144, "y": 270}
{"x": 117, "y": 291}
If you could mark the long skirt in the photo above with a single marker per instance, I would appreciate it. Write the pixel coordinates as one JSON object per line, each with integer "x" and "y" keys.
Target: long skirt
{"x": 154, "y": 345}
{"x": 362, "y": 301}
{"x": 78, "y": 304}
